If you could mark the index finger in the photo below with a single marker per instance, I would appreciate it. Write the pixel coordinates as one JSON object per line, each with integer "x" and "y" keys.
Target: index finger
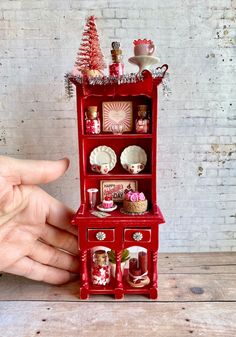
{"x": 18, "y": 171}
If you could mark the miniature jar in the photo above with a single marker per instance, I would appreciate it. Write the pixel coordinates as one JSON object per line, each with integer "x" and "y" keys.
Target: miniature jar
{"x": 142, "y": 122}
{"x": 100, "y": 271}
{"x": 92, "y": 121}
{"x": 116, "y": 67}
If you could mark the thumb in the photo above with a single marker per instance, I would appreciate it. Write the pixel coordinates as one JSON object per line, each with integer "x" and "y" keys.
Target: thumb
{"x": 18, "y": 171}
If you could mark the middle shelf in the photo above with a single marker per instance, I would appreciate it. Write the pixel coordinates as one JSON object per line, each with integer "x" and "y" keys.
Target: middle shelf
{"x": 118, "y": 137}
{"x": 118, "y": 176}
{"x": 96, "y": 151}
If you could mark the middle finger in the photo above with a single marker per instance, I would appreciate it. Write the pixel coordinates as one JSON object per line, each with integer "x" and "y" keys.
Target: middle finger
{"x": 60, "y": 239}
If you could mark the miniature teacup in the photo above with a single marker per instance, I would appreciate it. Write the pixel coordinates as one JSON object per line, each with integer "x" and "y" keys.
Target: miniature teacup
{"x": 102, "y": 168}
{"x": 134, "y": 168}
{"x": 144, "y": 49}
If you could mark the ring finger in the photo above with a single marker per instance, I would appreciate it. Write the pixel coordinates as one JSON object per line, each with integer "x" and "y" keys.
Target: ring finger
{"x": 54, "y": 257}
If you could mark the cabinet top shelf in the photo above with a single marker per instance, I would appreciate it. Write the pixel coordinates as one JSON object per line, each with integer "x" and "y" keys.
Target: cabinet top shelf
{"x": 142, "y": 84}
{"x": 123, "y": 136}
{"x": 119, "y": 176}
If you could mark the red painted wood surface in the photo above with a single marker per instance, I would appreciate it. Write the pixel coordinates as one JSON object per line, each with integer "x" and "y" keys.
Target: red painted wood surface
{"x": 92, "y": 234}
{"x": 129, "y": 233}
{"x": 118, "y": 228}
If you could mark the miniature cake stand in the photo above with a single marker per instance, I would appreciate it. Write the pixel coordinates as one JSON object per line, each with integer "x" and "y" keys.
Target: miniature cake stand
{"x": 144, "y": 61}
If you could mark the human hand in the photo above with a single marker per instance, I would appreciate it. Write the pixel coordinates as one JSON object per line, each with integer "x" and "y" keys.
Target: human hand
{"x": 36, "y": 238}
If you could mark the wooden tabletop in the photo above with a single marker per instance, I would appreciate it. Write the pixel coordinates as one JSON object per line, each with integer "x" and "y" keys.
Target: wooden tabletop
{"x": 197, "y": 297}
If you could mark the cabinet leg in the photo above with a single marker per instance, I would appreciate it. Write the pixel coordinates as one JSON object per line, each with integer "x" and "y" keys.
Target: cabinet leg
{"x": 84, "y": 285}
{"x": 84, "y": 294}
{"x": 119, "y": 294}
{"x": 153, "y": 289}
{"x": 153, "y": 293}
{"x": 119, "y": 290}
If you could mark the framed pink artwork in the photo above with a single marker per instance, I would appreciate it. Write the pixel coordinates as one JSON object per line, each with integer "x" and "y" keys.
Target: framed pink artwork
{"x": 117, "y": 188}
{"x": 115, "y": 114}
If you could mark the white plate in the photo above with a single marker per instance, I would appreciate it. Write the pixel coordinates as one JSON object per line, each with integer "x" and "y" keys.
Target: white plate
{"x": 102, "y": 155}
{"x": 106, "y": 209}
{"x": 133, "y": 154}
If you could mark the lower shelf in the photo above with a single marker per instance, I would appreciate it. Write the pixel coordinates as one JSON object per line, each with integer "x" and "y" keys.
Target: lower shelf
{"x": 110, "y": 289}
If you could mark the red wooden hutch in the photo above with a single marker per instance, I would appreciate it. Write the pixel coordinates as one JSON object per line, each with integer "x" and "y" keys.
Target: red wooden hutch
{"x": 118, "y": 230}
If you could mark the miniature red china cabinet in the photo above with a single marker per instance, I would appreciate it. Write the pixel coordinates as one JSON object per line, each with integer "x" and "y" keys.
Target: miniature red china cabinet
{"x": 118, "y": 231}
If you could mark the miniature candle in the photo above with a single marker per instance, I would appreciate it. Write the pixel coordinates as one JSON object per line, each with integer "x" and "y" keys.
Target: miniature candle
{"x": 142, "y": 258}
{"x": 133, "y": 264}
{"x": 134, "y": 276}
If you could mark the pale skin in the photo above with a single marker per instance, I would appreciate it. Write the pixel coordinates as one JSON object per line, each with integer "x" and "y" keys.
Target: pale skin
{"x": 37, "y": 240}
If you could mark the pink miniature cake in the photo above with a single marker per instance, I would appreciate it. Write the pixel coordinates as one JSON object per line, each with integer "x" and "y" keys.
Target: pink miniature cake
{"x": 107, "y": 202}
{"x": 135, "y": 202}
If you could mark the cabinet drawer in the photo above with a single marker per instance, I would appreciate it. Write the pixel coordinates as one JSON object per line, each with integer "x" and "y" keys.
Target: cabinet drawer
{"x": 137, "y": 235}
{"x": 101, "y": 235}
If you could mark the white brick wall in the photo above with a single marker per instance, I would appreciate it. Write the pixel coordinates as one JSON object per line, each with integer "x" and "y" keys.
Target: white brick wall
{"x": 197, "y": 168}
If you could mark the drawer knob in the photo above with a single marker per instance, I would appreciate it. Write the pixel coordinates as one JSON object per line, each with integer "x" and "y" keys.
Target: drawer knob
{"x": 137, "y": 236}
{"x": 100, "y": 236}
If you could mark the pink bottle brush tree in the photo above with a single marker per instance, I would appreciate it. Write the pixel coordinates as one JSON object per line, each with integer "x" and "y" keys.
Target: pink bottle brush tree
{"x": 90, "y": 60}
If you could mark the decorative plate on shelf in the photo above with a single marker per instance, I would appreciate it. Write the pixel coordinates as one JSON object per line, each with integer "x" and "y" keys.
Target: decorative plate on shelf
{"x": 106, "y": 209}
{"x": 103, "y": 155}
{"x": 117, "y": 113}
{"x": 132, "y": 155}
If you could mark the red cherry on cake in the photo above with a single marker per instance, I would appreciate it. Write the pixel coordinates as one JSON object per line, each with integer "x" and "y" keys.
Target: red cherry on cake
{"x": 107, "y": 198}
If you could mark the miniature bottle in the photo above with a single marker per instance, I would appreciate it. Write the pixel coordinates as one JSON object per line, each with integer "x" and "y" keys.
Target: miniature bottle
{"x": 92, "y": 121}
{"x": 100, "y": 270}
{"x": 142, "y": 123}
{"x": 116, "y": 68}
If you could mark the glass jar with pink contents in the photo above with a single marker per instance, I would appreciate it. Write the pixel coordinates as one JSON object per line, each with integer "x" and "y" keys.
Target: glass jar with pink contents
{"x": 116, "y": 67}
{"x": 92, "y": 121}
{"x": 142, "y": 123}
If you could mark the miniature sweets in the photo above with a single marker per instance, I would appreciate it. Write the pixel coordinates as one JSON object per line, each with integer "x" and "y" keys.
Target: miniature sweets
{"x": 100, "y": 269}
{"x": 107, "y": 202}
{"x": 92, "y": 122}
{"x": 116, "y": 68}
{"x": 142, "y": 123}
